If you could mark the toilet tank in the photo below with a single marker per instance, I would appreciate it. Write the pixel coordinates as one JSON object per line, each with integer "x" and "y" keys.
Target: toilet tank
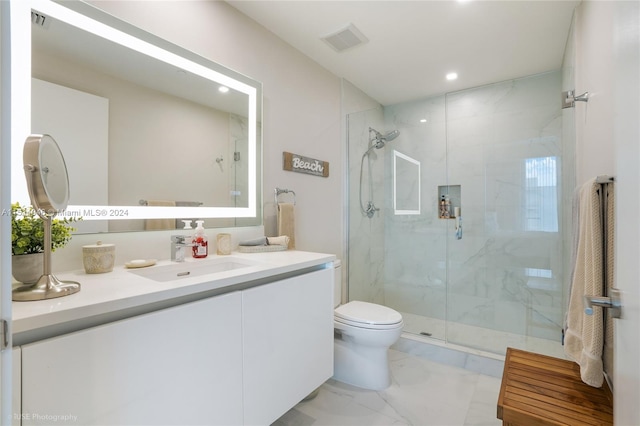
{"x": 337, "y": 286}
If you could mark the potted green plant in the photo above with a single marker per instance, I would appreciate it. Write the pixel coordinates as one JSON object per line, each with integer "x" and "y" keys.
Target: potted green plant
{"x": 27, "y": 241}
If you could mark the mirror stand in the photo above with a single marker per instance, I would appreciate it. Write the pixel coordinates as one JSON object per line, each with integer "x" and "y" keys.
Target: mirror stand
{"x": 47, "y": 286}
{"x": 48, "y": 185}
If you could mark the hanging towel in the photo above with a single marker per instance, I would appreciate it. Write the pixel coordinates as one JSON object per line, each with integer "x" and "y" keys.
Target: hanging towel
{"x": 286, "y": 222}
{"x": 575, "y": 231}
{"x": 584, "y": 335}
{"x": 159, "y": 224}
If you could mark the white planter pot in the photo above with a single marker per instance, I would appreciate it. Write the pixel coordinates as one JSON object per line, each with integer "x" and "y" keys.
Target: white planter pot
{"x": 27, "y": 268}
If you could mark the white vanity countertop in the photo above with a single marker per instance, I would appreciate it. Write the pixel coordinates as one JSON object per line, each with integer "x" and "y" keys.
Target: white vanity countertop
{"x": 121, "y": 290}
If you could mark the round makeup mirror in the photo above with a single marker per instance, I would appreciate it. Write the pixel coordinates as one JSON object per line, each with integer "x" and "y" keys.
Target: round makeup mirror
{"x": 48, "y": 184}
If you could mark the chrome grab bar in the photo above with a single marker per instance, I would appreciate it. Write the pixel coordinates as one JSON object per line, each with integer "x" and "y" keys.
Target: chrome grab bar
{"x": 613, "y": 303}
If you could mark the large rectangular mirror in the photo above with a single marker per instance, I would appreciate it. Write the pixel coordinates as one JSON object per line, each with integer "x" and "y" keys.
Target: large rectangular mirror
{"x": 151, "y": 133}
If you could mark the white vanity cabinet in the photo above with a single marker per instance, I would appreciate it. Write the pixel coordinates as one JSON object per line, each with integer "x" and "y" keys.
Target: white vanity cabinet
{"x": 16, "y": 387}
{"x": 181, "y": 365}
{"x": 287, "y": 339}
{"x": 242, "y": 357}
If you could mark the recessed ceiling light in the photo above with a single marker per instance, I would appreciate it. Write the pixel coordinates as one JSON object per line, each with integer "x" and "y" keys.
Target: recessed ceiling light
{"x": 223, "y": 89}
{"x": 423, "y": 120}
{"x": 452, "y": 76}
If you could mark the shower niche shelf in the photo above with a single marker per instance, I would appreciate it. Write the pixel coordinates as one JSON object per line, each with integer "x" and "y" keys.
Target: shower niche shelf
{"x": 454, "y": 194}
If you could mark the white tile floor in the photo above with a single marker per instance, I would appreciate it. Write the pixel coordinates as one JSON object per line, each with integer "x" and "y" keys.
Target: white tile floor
{"x": 422, "y": 393}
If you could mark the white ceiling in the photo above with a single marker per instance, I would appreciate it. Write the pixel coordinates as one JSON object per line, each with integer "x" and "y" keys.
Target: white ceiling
{"x": 413, "y": 44}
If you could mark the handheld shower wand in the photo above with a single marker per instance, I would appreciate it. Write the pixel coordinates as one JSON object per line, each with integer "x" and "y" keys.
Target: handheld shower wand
{"x": 378, "y": 141}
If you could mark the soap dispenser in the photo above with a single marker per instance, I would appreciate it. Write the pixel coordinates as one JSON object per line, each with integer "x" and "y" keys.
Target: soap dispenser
{"x": 200, "y": 243}
{"x": 187, "y": 233}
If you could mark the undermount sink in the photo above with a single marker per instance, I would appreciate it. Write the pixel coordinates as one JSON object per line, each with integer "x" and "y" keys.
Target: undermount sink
{"x": 193, "y": 269}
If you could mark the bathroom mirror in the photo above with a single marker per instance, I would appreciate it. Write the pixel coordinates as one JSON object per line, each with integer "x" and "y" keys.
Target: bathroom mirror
{"x": 406, "y": 184}
{"x": 172, "y": 136}
{"x": 48, "y": 185}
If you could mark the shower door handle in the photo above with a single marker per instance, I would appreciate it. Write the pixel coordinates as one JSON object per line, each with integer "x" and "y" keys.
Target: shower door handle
{"x": 458, "y": 227}
{"x": 614, "y": 303}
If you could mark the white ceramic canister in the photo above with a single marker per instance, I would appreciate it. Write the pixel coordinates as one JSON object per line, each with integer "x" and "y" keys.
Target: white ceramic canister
{"x": 98, "y": 258}
{"x": 223, "y": 244}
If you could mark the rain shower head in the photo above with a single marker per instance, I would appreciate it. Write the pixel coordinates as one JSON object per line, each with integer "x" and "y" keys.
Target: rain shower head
{"x": 379, "y": 139}
{"x": 391, "y": 135}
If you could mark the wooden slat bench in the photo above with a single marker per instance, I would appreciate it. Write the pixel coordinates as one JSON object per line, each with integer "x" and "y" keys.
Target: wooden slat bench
{"x": 545, "y": 391}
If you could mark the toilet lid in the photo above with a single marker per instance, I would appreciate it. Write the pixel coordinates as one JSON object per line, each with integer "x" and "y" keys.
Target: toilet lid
{"x": 368, "y": 313}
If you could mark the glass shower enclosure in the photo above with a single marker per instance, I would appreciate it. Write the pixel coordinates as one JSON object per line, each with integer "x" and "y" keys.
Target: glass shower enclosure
{"x": 471, "y": 242}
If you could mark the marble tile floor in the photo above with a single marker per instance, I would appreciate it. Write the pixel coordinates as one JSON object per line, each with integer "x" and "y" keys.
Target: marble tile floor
{"x": 422, "y": 393}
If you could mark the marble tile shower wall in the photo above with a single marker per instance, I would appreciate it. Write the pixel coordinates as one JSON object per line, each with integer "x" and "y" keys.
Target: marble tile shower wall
{"x": 506, "y": 273}
{"x": 366, "y": 235}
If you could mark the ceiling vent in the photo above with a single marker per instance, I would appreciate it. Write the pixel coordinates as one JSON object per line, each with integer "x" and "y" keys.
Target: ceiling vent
{"x": 345, "y": 39}
{"x": 40, "y": 20}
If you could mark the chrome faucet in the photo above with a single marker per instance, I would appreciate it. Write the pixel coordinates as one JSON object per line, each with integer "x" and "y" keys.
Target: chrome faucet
{"x": 178, "y": 247}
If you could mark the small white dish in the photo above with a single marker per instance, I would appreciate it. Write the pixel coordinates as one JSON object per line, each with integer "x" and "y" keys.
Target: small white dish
{"x": 140, "y": 263}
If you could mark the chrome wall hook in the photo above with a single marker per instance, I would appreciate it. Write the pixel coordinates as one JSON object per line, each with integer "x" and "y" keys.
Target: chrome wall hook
{"x": 569, "y": 99}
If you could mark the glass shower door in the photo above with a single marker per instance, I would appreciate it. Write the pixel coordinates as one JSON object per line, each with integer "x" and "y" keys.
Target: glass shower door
{"x": 415, "y": 244}
{"x": 504, "y": 149}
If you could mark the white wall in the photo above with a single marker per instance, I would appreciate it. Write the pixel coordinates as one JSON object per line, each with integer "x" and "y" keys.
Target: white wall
{"x": 301, "y": 104}
{"x": 626, "y": 47}
{"x": 355, "y": 100}
{"x": 594, "y": 73}
{"x": 607, "y": 132}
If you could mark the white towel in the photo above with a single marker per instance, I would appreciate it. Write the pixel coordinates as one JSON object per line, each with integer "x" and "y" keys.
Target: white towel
{"x": 279, "y": 241}
{"x": 575, "y": 230}
{"x": 286, "y": 223}
{"x": 584, "y": 334}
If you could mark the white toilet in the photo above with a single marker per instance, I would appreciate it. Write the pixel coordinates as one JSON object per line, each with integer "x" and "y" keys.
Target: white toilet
{"x": 363, "y": 334}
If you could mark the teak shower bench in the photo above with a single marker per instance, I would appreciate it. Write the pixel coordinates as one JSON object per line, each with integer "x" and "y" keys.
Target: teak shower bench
{"x": 545, "y": 391}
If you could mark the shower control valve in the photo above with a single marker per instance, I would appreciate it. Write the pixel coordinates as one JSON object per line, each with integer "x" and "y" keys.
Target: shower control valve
{"x": 371, "y": 209}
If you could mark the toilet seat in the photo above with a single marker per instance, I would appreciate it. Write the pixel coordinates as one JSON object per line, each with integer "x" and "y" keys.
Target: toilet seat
{"x": 368, "y": 315}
